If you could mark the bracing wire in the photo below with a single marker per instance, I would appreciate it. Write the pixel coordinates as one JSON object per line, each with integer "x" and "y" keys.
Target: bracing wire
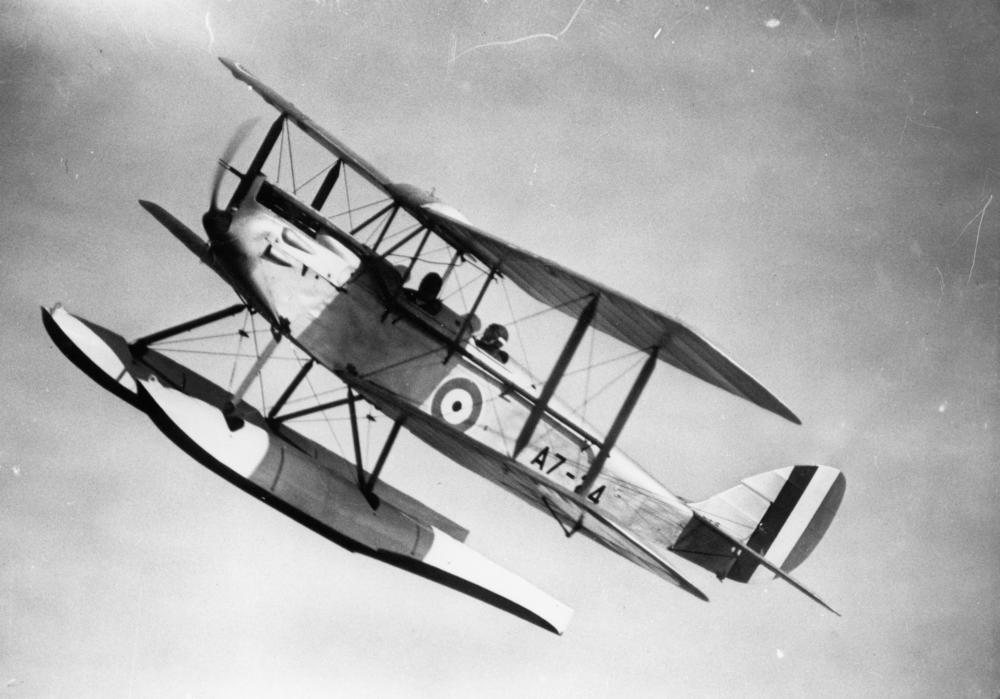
{"x": 347, "y": 195}
{"x": 256, "y": 351}
{"x": 281, "y": 153}
{"x": 291, "y": 160}
{"x": 360, "y": 207}
{"x": 513, "y": 323}
{"x": 313, "y": 178}
{"x": 239, "y": 345}
{"x": 326, "y": 419}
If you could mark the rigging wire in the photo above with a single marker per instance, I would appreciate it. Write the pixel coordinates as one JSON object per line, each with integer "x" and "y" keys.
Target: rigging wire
{"x": 258, "y": 379}
{"x": 460, "y": 289}
{"x": 320, "y": 394}
{"x": 507, "y": 446}
{"x": 586, "y": 384}
{"x": 513, "y": 323}
{"x": 590, "y": 366}
{"x": 610, "y": 383}
{"x": 548, "y": 309}
{"x": 396, "y": 365}
{"x": 281, "y": 153}
{"x": 326, "y": 419}
{"x": 239, "y": 345}
{"x": 347, "y": 195}
{"x": 361, "y": 207}
{"x": 291, "y": 160}
{"x": 196, "y": 338}
{"x": 406, "y": 230}
{"x": 311, "y": 179}
{"x": 369, "y": 419}
{"x": 218, "y": 353}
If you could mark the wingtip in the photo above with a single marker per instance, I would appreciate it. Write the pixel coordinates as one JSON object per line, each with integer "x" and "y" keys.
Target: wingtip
{"x": 826, "y": 606}
{"x": 235, "y": 68}
{"x": 698, "y": 593}
{"x": 771, "y": 402}
{"x": 792, "y": 417}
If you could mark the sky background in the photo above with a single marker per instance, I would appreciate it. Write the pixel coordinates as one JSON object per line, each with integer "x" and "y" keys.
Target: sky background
{"x": 811, "y": 184}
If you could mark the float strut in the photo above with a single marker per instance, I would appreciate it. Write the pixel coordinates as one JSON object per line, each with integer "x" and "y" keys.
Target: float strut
{"x": 143, "y": 343}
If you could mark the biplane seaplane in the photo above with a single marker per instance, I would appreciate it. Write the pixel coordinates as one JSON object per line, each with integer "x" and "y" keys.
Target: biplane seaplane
{"x": 346, "y": 297}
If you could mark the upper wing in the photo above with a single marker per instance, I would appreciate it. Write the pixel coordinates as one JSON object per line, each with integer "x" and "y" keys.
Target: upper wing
{"x": 617, "y": 315}
{"x": 317, "y": 132}
{"x": 544, "y": 280}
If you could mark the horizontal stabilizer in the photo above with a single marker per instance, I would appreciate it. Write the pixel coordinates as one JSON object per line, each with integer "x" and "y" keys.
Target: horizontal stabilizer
{"x": 748, "y": 553}
{"x": 764, "y": 527}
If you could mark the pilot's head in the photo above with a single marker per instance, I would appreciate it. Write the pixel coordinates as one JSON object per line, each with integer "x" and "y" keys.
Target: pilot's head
{"x": 496, "y": 335}
{"x": 430, "y": 287}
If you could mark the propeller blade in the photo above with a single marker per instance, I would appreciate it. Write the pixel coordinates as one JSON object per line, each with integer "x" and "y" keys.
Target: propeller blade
{"x": 239, "y": 136}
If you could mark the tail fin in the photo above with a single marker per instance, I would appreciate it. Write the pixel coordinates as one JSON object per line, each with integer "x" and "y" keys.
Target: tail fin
{"x": 780, "y": 515}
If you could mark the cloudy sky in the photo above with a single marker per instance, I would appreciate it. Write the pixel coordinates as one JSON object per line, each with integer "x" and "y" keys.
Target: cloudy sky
{"x": 812, "y": 184}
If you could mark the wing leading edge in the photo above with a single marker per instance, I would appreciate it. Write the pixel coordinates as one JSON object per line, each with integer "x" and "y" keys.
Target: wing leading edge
{"x": 546, "y": 281}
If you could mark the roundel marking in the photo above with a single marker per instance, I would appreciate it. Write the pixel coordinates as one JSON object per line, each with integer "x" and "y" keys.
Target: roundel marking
{"x": 458, "y": 402}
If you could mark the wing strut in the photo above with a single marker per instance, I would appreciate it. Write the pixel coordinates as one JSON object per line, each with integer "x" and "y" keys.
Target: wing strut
{"x": 316, "y": 408}
{"x": 623, "y": 414}
{"x": 368, "y": 221}
{"x": 286, "y": 394}
{"x": 416, "y": 255}
{"x": 385, "y": 228}
{"x": 407, "y": 238}
{"x": 367, "y": 482}
{"x": 467, "y": 321}
{"x": 258, "y": 162}
{"x": 356, "y": 437}
{"x": 327, "y": 186}
{"x": 143, "y": 343}
{"x": 451, "y": 265}
{"x": 538, "y": 409}
{"x": 368, "y": 486}
{"x": 230, "y": 410}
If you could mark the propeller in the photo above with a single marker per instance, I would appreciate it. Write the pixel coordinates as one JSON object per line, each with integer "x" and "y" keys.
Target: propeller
{"x": 216, "y": 220}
